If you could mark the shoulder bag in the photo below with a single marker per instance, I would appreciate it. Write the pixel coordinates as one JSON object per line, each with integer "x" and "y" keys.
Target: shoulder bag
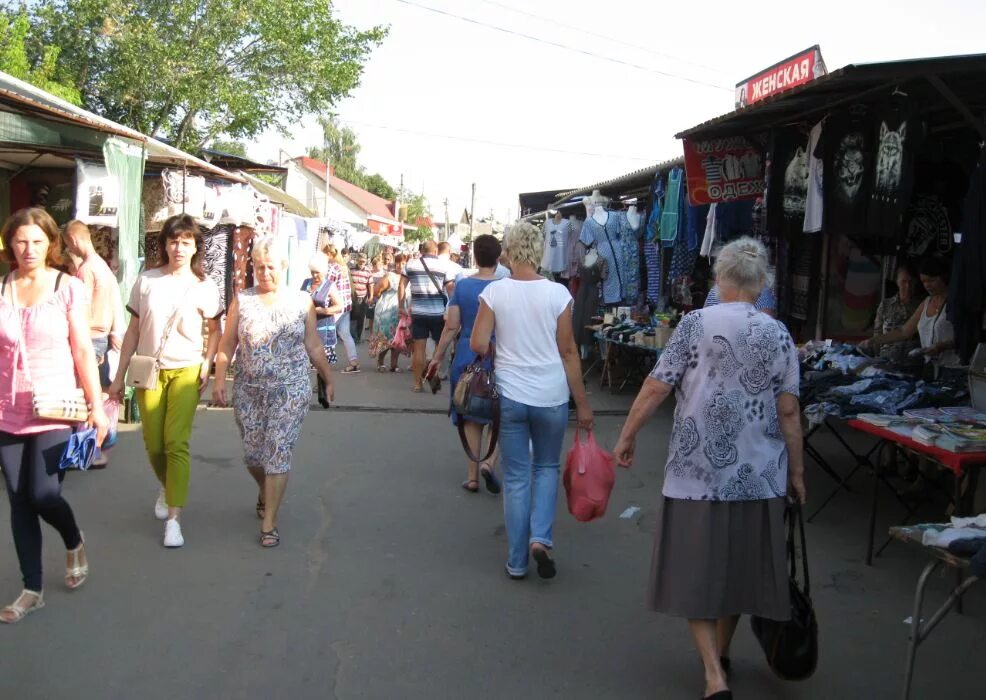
{"x": 792, "y": 646}
{"x": 53, "y": 403}
{"x": 143, "y": 370}
{"x": 476, "y": 396}
{"x": 434, "y": 281}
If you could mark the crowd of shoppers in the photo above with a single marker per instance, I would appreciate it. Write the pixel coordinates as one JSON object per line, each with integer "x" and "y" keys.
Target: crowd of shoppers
{"x": 735, "y": 454}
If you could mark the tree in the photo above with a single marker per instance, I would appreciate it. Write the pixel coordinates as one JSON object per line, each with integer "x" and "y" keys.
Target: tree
{"x": 193, "y": 69}
{"x": 45, "y": 71}
{"x": 232, "y": 148}
{"x": 378, "y": 185}
{"x": 341, "y": 149}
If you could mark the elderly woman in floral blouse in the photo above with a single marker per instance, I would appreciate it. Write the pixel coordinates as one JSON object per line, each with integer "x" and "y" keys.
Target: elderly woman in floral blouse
{"x": 735, "y": 456}
{"x": 894, "y": 313}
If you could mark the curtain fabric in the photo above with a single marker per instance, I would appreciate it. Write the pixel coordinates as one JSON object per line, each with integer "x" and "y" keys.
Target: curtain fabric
{"x": 125, "y": 161}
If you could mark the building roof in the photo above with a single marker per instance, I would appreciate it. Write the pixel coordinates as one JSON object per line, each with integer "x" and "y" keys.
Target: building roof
{"x": 635, "y": 183}
{"x": 30, "y": 101}
{"x": 947, "y": 86}
{"x": 370, "y": 203}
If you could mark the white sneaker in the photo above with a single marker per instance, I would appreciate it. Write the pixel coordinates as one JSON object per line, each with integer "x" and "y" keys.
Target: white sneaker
{"x": 161, "y": 507}
{"x": 172, "y": 534}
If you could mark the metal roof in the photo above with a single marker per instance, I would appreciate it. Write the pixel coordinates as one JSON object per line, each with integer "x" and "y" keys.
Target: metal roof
{"x": 926, "y": 80}
{"x": 624, "y": 184}
{"x": 33, "y": 100}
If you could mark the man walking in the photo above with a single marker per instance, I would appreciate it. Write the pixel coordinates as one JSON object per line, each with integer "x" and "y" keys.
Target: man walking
{"x": 361, "y": 276}
{"x": 105, "y": 324}
{"x": 429, "y": 281}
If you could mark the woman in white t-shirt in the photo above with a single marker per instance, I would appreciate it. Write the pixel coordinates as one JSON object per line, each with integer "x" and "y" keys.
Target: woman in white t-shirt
{"x": 537, "y": 366}
{"x": 177, "y": 288}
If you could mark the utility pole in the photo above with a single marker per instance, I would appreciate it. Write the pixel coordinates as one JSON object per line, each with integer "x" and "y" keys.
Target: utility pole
{"x": 446, "y": 219}
{"x": 472, "y": 213}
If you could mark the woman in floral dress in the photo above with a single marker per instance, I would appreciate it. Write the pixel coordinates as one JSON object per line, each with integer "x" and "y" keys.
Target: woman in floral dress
{"x": 274, "y": 330}
{"x": 385, "y": 317}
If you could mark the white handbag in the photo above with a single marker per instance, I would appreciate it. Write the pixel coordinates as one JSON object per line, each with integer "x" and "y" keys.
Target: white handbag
{"x": 143, "y": 370}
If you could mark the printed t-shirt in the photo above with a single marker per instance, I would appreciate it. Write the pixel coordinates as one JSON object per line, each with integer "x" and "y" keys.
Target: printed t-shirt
{"x": 155, "y": 296}
{"x": 529, "y": 369}
{"x": 99, "y": 279}
{"x": 43, "y": 360}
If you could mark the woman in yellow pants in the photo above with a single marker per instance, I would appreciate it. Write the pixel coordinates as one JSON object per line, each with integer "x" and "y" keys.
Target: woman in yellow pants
{"x": 168, "y": 305}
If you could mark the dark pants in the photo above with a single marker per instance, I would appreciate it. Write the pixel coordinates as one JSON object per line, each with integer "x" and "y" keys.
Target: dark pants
{"x": 102, "y": 345}
{"x": 34, "y": 487}
{"x": 357, "y": 318}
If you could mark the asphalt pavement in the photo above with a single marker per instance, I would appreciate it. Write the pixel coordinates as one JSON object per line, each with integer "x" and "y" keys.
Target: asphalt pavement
{"x": 389, "y": 582}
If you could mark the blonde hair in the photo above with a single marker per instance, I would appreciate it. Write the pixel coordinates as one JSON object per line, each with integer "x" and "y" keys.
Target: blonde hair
{"x": 524, "y": 244}
{"x": 743, "y": 264}
{"x": 267, "y": 246}
{"x": 333, "y": 254}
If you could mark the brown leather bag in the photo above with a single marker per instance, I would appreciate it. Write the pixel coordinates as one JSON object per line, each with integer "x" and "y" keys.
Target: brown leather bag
{"x": 476, "y": 396}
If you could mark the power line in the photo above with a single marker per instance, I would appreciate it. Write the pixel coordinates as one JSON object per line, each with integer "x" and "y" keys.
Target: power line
{"x": 615, "y": 40}
{"x": 500, "y": 144}
{"x": 566, "y": 47}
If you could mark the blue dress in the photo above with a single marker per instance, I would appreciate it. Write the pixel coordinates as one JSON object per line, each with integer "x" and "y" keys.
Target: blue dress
{"x": 466, "y": 297}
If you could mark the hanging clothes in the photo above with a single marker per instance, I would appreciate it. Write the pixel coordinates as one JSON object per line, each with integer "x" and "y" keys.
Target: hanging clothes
{"x": 555, "y": 247}
{"x": 816, "y": 178}
{"x": 575, "y": 248}
{"x": 848, "y": 166}
{"x": 630, "y": 237}
{"x": 697, "y": 216}
{"x": 966, "y": 299}
{"x": 683, "y": 261}
{"x": 709, "y": 239}
{"x": 652, "y": 249}
{"x": 673, "y": 202}
{"x": 606, "y": 239}
{"x": 215, "y": 259}
{"x": 587, "y": 298}
{"x": 899, "y": 135}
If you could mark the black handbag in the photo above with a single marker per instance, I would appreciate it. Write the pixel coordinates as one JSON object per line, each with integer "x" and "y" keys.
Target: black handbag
{"x": 792, "y": 646}
{"x": 476, "y": 396}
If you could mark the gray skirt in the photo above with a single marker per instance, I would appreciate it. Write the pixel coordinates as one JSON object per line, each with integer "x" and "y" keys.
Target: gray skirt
{"x": 714, "y": 559}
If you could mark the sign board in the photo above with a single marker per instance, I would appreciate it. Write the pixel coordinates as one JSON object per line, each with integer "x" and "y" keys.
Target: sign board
{"x": 385, "y": 229}
{"x": 797, "y": 70}
{"x": 723, "y": 170}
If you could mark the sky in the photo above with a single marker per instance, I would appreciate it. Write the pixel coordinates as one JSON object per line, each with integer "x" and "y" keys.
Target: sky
{"x": 592, "y": 90}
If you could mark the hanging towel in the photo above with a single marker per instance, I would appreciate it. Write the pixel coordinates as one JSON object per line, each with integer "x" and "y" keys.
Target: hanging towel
{"x": 709, "y": 241}
{"x": 670, "y": 217}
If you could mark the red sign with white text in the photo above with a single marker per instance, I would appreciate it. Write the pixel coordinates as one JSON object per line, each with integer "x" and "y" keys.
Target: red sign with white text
{"x": 382, "y": 229}
{"x": 723, "y": 170}
{"x": 791, "y": 72}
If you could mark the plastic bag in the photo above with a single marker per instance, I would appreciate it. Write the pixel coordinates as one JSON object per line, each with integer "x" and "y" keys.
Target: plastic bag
{"x": 588, "y": 479}
{"x": 402, "y": 336}
{"x": 112, "y": 409}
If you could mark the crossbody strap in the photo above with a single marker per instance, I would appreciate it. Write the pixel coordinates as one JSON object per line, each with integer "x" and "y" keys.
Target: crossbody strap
{"x": 171, "y": 324}
{"x": 434, "y": 281}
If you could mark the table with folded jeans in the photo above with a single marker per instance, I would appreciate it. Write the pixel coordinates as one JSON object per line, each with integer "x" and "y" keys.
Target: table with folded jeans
{"x": 831, "y": 396}
{"x": 960, "y": 545}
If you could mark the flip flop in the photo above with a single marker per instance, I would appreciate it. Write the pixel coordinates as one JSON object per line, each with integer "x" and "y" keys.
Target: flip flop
{"x": 492, "y": 483}
{"x": 273, "y": 537}
{"x": 471, "y": 485}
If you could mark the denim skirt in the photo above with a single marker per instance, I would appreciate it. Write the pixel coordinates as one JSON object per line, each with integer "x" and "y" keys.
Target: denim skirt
{"x": 714, "y": 559}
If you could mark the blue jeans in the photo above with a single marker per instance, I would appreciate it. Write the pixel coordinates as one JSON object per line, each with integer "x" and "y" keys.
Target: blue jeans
{"x": 101, "y": 345}
{"x": 530, "y": 478}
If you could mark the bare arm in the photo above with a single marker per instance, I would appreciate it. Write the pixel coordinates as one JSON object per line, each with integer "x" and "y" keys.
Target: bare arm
{"x": 905, "y": 332}
{"x": 334, "y": 308}
{"x": 652, "y": 395}
{"x": 569, "y": 351}
{"x": 84, "y": 357}
{"x": 227, "y": 347}
{"x": 453, "y": 322}
{"x": 211, "y": 345}
{"x": 789, "y": 414}
{"x": 403, "y": 303}
{"x": 127, "y": 349}
{"x": 482, "y": 330}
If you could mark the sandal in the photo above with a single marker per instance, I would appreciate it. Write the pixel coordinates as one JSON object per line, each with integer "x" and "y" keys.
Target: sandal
{"x": 492, "y": 483}
{"x": 546, "y": 565}
{"x": 382, "y": 370}
{"x": 270, "y": 539}
{"x": 471, "y": 485}
{"x": 353, "y": 368}
{"x": 261, "y": 507}
{"x": 18, "y": 611}
{"x": 417, "y": 389}
{"x": 76, "y": 571}
{"x": 397, "y": 370}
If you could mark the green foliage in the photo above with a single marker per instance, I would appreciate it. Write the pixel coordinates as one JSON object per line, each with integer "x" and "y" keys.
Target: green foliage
{"x": 44, "y": 71}
{"x": 423, "y": 233}
{"x": 231, "y": 148}
{"x": 193, "y": 69}
{"x": 378, "y": 185}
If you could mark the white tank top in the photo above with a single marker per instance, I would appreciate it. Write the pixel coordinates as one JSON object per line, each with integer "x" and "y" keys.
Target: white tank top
{"x": 937, "y": 329}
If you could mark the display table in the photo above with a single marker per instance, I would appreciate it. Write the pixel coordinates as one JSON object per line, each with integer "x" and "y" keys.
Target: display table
{"x": 965, "y": 466}
{"x": 921, "y": 628}
{"x": 636, "y": 360}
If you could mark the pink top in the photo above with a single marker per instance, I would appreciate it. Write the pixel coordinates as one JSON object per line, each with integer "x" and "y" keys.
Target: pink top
{"x": 46, "y": 352}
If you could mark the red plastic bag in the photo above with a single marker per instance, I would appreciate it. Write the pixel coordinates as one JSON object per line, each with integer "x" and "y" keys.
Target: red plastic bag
{"x": 402, "y": 336}
{"x": 588, "y": 479}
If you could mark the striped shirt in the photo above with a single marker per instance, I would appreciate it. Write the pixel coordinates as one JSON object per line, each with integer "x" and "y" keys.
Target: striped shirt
{"x": 426, "y": 300}
{"x": 764, "y": 302}
{"x": 361, "y": 282}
